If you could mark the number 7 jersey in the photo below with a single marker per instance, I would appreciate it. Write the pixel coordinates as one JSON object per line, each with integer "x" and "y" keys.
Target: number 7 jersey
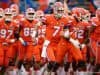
{"x": 54, "y": 27}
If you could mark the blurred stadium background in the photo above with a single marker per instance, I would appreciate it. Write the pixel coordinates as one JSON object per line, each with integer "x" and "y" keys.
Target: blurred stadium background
{"x": 45, "y": 5}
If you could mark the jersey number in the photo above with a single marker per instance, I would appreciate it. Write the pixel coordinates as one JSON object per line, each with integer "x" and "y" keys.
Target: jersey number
{"x": 42, "y": 32}
{"x": 28, "y": 31}
{"x": 79, "y": 34}
{"x": 57, "y": 28}
{"x": 5, "y": 33}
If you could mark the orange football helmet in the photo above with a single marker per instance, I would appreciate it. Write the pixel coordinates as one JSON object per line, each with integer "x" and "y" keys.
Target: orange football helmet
{"x": 81, "y": 13}
{"x": 8, "y": 14}
{"x": 39, "y": 15}
{"x": 58, "y": 9}
{"x": 15, "y": 9}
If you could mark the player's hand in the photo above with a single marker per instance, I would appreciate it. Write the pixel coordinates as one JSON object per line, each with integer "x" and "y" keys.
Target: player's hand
{"x": 24, "y": 43}
{"x": 12, "y": 40}
{"x": 67, "y": 34}
{"x": 82, "y": 46}
{"x": 35, "y": 42}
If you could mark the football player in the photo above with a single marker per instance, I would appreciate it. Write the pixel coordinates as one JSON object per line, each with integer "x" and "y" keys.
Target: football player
{"x": 81, "y": 31}
{"x": 52, "y": 47}
{"x": 8, "y": 29}
{"x": 54, "y": 23}
{"x": 29, "y": 52}
{"x": 95, "y": 38}
{"x": 1, "y": 49}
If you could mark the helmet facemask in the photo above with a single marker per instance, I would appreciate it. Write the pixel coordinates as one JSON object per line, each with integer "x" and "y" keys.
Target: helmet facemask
{"x": 86, "y": 17}
{"x": 8, "y": 15}
{"x": 30, "y": 16}
{"x": 30, "y": 13}
{"x": 59, "y": 12}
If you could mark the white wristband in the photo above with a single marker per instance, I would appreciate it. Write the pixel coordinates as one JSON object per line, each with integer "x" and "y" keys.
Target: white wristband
{"x": 21, "y": 40}
{"x": 67, "y": 33}
{"x": 12, "y": 40}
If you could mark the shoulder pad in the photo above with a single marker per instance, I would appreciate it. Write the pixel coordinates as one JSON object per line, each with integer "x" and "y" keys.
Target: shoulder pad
{"x": 22, "y": 19}
{"x": 15, "y": 21}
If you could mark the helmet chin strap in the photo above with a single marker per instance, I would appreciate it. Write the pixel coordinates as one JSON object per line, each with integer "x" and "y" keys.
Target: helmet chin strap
{"x": 29, "y": 20}
{"x": 1, "y": 16}
{"x": 6, "y": 21}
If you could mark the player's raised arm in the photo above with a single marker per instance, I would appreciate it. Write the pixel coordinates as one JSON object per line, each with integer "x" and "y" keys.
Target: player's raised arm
{"x": 66, "y": 6}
